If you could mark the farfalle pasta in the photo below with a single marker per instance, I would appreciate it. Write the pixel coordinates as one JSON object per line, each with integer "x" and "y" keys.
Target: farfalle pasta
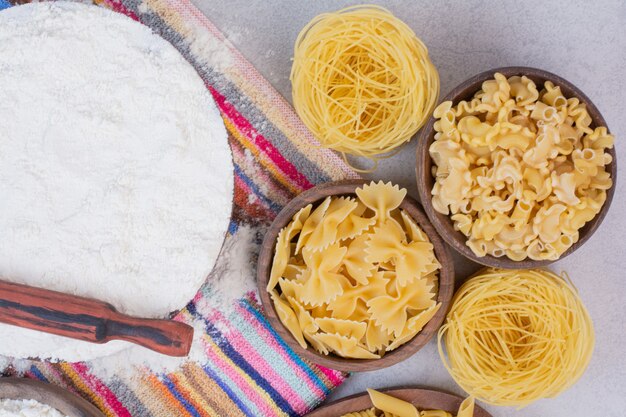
{"x": 519, "y": 170}
{"x": 355, "y": 276}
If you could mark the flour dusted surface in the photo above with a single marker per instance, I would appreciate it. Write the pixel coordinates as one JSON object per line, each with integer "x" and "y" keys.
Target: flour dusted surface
{"x": 27, "y": 408}
{"x": 115, "y": 172}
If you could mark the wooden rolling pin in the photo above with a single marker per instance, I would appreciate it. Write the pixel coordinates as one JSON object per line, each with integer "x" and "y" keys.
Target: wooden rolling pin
{"x": 88, "y": 319}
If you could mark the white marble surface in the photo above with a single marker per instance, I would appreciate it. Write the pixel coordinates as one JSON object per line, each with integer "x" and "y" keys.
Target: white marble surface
{"x": 584, "y": 42}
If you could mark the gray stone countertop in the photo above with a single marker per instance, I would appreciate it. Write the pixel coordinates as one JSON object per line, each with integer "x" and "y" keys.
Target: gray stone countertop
{"x": 582, "y": 41}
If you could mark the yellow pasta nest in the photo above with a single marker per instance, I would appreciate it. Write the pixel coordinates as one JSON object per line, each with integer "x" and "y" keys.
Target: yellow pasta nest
{"x": 519, "y": 170}
{"x": 515, "y": 336}
{"x": 362, "y": 82}
{"x": 355, "y": 276}
{"x": 386, "y": 405}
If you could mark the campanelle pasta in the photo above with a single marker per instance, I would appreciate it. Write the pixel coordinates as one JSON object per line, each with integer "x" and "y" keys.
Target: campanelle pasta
{"x": 355, "y": 276}
{"x": 519, "y": 170}
{"x": 388, "y": 406}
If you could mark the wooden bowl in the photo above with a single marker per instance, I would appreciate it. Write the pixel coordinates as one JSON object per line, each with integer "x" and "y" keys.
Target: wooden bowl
{"x": 425, "y": 180}
{"x": 421, "y": 398}
{"x": 67, "y": 403}
{"x": 317, "y": 195}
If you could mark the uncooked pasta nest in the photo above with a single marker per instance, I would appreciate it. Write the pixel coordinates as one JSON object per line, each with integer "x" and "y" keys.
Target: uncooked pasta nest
{"x": 354, "y": 276}
{"x": 386, "y": 405}
{"x": 362, "y": 82}
{"x": 519, "y": 170}
{"x": 515, "y": 336}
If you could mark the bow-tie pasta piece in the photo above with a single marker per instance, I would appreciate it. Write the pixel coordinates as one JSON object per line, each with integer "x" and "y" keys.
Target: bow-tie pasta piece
{"x": 417, "y": 260}
{"x": 282, "y": 252}
{"x": 355, "y": 224}
{"x": 347, "y": 347}
{"x": 413, "y": 326}
{"x": 322, "y": 283}
{"x": 355, "y": 263}
{"x": 385, "y": 243}
{"x": 381, "y": 198}
{"x": 413, "y": 231}
{"x": 293, "y": 270}
{"x": 292, "y": 288}
{"x": 308, "y": 324}
{"x": 317, "y": 344}
{"x": 432, "y": 278}
{"x": 288, "y": 317}
{"x": 346, "y": 328}
{"x": 345, "y": 305}
{"x": 319, "y": 311}
{"x": 377, "y": 338}
{"x": 391, "y": 313}
{"x": 388, "y": 243}
{"x": 519, "y": 169}
{"x": 326, "y": 231}
{"x": 311, "y": 223}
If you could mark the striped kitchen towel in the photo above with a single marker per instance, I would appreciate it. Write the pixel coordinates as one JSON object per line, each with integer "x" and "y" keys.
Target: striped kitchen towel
{"x": 239, "y": 366}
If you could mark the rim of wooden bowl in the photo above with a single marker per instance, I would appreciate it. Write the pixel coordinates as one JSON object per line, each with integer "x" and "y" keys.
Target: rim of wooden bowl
{"x": 266, "y": 254}
{"x": 424, "y": 398}
{"x": 444, "y": 224}
{"x": 67, "y": 403}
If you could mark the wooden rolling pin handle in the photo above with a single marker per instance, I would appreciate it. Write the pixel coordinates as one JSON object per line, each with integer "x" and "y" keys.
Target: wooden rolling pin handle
{"x": 169, "y": 337}
{"x": 88, "y": 319}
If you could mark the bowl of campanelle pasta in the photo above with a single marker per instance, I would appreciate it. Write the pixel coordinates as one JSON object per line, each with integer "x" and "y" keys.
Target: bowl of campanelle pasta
{"x": 353, "y": 276}
{"x": 516, "y": 168}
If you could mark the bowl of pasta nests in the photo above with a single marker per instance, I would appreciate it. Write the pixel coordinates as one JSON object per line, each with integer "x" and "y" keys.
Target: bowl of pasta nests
{"x": 353, "y": 276}
{"x": 516, "y": 168}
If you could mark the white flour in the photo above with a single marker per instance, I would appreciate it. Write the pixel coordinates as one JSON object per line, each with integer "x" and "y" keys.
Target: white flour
{"x": 232, "y": 277}
{"x": 115, "y": 172}
{"x": 27, "y": 408}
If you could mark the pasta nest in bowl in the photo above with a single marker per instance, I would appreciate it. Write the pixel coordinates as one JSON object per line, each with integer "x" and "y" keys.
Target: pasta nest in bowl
{"x": 516, "y": 168}
{"x": 353, "y": 275}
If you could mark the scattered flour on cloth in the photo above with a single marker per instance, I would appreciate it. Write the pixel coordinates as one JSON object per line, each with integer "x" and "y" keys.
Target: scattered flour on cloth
{"x": 115, "y": 172}
{"x": 27, "y": 408}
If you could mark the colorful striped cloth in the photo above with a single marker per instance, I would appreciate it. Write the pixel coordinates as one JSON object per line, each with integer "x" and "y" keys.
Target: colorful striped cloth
{"x": 240, "y": 367}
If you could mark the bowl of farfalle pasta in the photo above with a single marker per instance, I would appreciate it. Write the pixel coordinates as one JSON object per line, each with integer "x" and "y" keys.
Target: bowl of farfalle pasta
{"x": 353, "y": 276}
{"x": 516, "y": 168}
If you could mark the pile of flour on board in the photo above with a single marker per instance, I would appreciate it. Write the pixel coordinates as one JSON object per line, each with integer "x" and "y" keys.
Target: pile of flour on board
{"x": 27, "y": 408}
{"x": 115, "y": 172}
